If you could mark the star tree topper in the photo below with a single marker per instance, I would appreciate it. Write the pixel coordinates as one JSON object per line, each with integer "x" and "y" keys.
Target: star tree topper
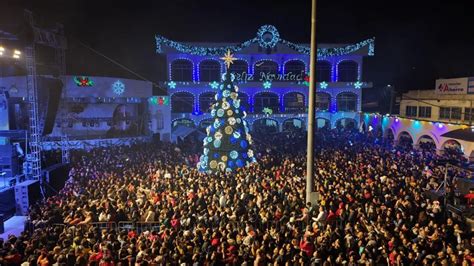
{"x": 228, "y": 59}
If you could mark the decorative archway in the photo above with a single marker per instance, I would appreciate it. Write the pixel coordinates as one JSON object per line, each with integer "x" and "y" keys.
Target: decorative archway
{"x": 244, "y": 101}
{"x": 346, "y": 124}
{"x": 264, "y": 126}
{"x": 294, "y": 102}
{"x": 323, "y": 101}
{"x": 323, "y": 123}
{"x": 346, "y": 102}
{"x": 323, "y": 71}
{"x": 264, "y": 68}
{"x": 263, "y": 100}
{"x": 209, "y": 70}
{"x": 182, "y": 102}
{"x": 452, "y": 147}
{"x": 426, "y": 143}
{"x": 181, "y": 70}
{"x": 294, "y": 67}
{"x": 206, "y": 99}
{"x": 347, "y": 71}
{"x": 405, "y": 140}
{"x": 239, "y": 67}
{"x": 293, "y": 124}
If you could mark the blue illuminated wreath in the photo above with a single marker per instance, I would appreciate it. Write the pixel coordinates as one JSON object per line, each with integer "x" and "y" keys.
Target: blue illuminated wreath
{"x": 268, "y": 43}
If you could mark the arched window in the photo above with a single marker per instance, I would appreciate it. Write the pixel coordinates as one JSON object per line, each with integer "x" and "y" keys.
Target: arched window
{"x": 323, "y": 71}
{"x": 182, "y": 70}
{"x": 206, "y": 99}
{"x": 347, "y": 102}
{"x": 182, "y": 102}
{"x": 209, "y": 70}
{"x": 323, "y": 101}
{"x": 266, "y": 100}
{"x": 294, "y": 102}
{"x": 244, "y": 101}
{"x": 347, "y": 71}
{"x": 238, "y": 68}
{"x": 295, "y": 67}
{"x": 265, "y": 70}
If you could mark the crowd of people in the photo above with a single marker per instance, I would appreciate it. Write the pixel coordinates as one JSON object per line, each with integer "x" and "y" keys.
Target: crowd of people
{"x": 371, "y": 210}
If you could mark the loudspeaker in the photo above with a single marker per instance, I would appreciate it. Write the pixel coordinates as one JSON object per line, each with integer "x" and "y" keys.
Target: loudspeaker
{"x": 51, "y": 89}
{"x": 26, "y": 193}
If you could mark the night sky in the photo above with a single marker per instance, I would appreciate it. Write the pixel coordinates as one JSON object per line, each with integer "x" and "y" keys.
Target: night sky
{"x": 416, "y": 41}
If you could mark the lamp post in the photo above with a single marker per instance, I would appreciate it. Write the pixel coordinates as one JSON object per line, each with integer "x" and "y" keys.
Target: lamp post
{"x": 312, "y": 92}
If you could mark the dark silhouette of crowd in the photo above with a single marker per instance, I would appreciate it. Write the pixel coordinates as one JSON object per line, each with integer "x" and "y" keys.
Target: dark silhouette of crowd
{"x": 372, "y": 209}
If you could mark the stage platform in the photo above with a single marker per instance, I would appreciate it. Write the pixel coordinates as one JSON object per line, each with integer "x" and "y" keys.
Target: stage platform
{"x": 14, "y": 226}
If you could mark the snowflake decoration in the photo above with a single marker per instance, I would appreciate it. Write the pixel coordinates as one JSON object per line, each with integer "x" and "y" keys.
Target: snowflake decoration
{"x": 323, "y": 85}
{"x": 214, "y": 84}
{"x": 267, "y": 84}
{"x": 118, "y": 87}
{"x": 172, "y": 85}
{"x": 267, "y": 111}
{"x": 358, "y": 85}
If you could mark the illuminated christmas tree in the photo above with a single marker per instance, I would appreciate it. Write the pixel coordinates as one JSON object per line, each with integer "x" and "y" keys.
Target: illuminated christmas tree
{"x": 227, "y": 144}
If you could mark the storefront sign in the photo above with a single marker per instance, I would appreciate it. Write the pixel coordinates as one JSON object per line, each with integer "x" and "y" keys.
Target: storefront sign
{"x": 263, "y": 76}
{"x": 451, "y": 86}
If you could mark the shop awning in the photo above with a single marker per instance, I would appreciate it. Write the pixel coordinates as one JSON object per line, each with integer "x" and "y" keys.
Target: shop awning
{"x": 461, "y": 134}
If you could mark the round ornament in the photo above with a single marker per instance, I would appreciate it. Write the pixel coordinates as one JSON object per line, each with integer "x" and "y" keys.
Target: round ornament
{"x": 225, "y": 105}
{"x": 229, "y": 130}
{"x": 238, "y": 120}
{"x": 217, "y": 143}
{"x": 213, "y": 164}
{"x": 224, "y": 158}
{"x": 243, "y": 144}
{"x": 236, "y": 135}
{"x": 231, "y": 121}
{"x": 230, "y": 112}
{"x": 234, "y": 154}
{"x": 226, "y": 93}
{"x": 220, "y": 112}
{"x": 233, "y": 95}
{"x": 229, "y": 86}
{"x": 218, "y": 135}
{"x": 239, "y": 163}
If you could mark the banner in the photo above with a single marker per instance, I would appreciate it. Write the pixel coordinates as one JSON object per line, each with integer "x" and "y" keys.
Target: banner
{"x": 451, "y": 86}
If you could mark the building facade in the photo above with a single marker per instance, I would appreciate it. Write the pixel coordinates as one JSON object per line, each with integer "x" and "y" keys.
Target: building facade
{"x": 451, "y": 101}
{"x": 271, "y": 74}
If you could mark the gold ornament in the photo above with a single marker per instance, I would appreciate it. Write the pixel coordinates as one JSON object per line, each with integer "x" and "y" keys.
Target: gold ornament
{"x": 213, "y": 164}
{"x": 228, "y": 130}
{"x": 233, "y": 95}
{"x": 230, "y": 112}
{"x": 224, "y": 158}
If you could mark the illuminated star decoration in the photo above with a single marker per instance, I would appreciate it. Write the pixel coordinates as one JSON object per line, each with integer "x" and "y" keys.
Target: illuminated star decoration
{"x": 214, "y": 84}
{"x": 228, "y": 59}
{"x": 358, "y": 85}
{"x": 267, "y": 84}
{"x": 172, "y": 85}
{"x": 323, "y": 85}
